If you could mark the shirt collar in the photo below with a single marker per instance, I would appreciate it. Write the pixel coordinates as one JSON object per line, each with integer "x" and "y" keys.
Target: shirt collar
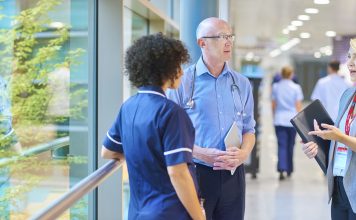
{"x": 201, "y": 68}
{"x": 152, "y": 90}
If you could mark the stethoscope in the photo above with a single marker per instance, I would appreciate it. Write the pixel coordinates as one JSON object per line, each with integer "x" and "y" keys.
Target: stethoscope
{"x": 190, "y": 103}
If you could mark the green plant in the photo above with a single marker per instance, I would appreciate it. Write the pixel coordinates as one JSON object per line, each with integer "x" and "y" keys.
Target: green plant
{"x": 31, "y": 60}
{"x": 27, "y": 62}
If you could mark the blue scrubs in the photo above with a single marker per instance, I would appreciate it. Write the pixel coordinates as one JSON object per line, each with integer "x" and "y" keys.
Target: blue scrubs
{"x": 286, "y": 94}
{"x": 153, "y": 132}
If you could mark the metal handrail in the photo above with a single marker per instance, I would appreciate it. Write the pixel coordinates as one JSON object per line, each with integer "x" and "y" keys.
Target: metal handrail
{"x": 59, "y": 206}
{"x": 52, "y": 145}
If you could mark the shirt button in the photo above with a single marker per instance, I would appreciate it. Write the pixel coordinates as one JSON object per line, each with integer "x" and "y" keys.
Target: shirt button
{"x": 222, "y": 129}
{"x": 220, "y": 112}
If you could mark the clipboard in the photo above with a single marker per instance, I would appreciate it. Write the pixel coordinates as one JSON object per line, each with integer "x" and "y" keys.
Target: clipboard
{"x": 232, "y": 139}
{"x": 303, "y": 122}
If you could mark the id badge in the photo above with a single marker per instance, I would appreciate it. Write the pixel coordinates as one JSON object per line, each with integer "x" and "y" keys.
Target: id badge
{"x": 340, "y": 157}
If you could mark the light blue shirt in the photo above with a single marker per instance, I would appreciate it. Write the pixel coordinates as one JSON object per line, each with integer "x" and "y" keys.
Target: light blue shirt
{"x": 285, "y": 93}
{"x": 214, "y": 108}
{"x": 329, "y": 90}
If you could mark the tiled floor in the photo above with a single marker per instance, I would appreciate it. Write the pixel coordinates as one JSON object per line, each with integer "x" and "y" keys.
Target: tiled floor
{"x": 302, "y": 197}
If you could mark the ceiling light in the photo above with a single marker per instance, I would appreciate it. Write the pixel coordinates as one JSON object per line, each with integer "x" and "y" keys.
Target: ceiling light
{"x": 311, "y": 11}
{"x": 317, "y": 54}
{"x": 256, "y": 59}
{"x": 297, "y": 23}
{"x": 324, "y": 49}
{"x": 290, "y": 44}
{"x": 292, "y": 28}
{"x": 275, "y": 52}
{"x": 249, "y": 56}
{"x": 330, "y": 33}
{"x": 285, "y": 31}
{"x": 327, "y": 50}
{"x": 321, "y": 2}
{"x": 304, "y": 17}
{"x": 304, "y": 35}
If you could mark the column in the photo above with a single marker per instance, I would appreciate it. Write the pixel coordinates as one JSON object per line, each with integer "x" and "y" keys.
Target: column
{"x": 191, "y": 14}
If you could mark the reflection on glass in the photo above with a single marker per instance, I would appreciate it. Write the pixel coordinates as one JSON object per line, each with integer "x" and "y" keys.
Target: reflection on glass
{"x": 43, "y": 104}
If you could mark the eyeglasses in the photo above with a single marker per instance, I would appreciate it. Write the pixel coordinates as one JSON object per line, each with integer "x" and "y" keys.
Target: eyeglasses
{"x": 230, "y": 37}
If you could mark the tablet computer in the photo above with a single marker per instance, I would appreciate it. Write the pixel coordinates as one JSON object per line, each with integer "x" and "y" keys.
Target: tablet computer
{"x": 232, "y": 139}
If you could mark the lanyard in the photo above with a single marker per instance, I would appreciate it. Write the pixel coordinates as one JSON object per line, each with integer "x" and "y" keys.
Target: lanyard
{"x": 350, "y": 116}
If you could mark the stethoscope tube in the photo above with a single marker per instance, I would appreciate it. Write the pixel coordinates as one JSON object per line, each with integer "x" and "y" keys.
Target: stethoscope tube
{"x": 190, "y": 103}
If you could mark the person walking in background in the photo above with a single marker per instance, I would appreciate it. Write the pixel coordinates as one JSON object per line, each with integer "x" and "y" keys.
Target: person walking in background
{"x": 278, "y": 77}
{"x": 330, "y": 88}
{"x": 215, "y": 96}
{"x": 155, "y": 135}
{"x": 341, "y": 171}
{"x": 287, "y": 99}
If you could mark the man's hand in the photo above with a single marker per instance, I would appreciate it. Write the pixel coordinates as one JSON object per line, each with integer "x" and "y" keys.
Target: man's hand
{"x": 212, "y": 155}
{"x": 234, "y": 158}
{"x": 208, "y": 155}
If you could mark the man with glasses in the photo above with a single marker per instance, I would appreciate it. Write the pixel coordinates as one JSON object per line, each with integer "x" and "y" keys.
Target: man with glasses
{"x": 216, "y": 97}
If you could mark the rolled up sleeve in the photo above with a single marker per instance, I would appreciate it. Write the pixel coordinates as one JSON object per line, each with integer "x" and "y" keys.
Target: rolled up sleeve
{"x": 248, "y": 119}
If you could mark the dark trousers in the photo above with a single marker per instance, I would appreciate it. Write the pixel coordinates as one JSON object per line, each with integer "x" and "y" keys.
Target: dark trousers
{"x": 286, "y": 141}
{"x": 223, "y": 193}
{"x": 340, "y": 207}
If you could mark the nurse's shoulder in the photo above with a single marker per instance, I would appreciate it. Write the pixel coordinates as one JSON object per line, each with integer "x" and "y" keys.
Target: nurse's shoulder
{"x": 172, "y": 109}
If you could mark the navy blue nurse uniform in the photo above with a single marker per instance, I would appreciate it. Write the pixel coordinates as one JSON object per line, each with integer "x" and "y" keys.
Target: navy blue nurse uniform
{"x": 153, "y": 132}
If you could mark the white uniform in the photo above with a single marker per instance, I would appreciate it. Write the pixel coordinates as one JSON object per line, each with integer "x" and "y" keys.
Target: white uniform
{"x": 329, "y": 90}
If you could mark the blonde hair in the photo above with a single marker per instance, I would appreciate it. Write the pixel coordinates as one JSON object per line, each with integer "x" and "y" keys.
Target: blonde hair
{"x": 353, "y": 43}
{"x": 286, "y": 72}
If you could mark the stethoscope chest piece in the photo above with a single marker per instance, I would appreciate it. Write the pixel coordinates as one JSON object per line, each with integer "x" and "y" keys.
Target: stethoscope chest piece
{"x": 190, "y": 103}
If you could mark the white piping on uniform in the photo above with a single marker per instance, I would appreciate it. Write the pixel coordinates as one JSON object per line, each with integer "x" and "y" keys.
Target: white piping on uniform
{"x": 177, "y": 151}
{"x": 112, "y": 139}
{"x": 152, "y": 92}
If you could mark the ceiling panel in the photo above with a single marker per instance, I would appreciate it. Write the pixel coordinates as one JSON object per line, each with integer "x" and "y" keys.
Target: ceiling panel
{"x": 258, "y": 24}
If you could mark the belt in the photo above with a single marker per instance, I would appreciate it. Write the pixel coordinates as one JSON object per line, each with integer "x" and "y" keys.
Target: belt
{"x": 338, "y": 178}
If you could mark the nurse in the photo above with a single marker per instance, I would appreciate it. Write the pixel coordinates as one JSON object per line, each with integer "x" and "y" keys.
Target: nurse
{"x": 155, "y": 135}
{"x": 287, "y": 97}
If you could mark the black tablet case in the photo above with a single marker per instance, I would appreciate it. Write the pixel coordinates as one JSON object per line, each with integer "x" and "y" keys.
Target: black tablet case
{"x": 303, "y": 122}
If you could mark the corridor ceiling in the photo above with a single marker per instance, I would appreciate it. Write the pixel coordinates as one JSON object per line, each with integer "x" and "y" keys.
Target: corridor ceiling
{"x": 258, "y": 24}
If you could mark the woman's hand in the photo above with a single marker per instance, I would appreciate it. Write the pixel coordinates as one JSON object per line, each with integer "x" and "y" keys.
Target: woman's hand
{"x": 330, "y": 132}
{"x": 310, "y": 149}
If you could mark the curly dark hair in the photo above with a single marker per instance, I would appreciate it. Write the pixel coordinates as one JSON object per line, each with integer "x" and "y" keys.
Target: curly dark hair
{"x": 154, "y": 59}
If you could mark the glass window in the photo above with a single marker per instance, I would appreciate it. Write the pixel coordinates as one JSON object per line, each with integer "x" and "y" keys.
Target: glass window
{"x": 135, "y": 26}
{"x": 44, "y": 104}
